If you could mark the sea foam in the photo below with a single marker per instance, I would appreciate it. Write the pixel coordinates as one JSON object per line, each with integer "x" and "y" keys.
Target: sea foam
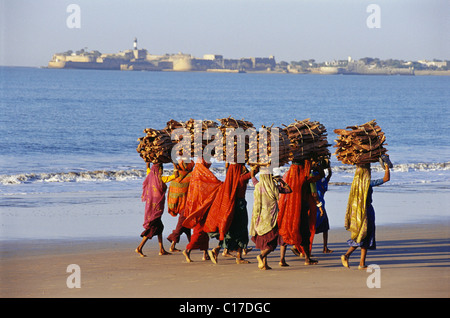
{"x": 218, "y": 170}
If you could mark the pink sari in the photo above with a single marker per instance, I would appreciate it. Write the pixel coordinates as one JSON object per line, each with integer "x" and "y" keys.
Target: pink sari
{"x": 153, "y": 194}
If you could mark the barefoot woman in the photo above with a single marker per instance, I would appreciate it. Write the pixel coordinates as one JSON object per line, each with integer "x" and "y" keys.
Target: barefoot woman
{"x": 154, "y": 195}
{"x": 360, "y": 215}
{"x": 203, "y": 188}
{"x": 264, "y": 228}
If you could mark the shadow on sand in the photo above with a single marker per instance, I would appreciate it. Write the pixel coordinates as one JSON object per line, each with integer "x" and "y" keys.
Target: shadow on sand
{"x": 395, "y": 253}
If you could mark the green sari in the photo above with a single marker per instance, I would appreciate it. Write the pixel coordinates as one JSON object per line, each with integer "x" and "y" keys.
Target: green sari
{"x": 265, "y": 206}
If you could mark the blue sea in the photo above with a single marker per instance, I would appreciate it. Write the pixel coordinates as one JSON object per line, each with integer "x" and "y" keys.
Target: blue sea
{"x": 69, "y": 132}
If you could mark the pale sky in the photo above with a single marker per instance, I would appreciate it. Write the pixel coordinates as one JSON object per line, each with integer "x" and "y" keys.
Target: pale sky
{"x": 291, "y": 30}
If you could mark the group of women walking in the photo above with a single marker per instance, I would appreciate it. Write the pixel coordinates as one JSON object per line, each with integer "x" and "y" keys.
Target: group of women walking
{"x": 286, "y": 211}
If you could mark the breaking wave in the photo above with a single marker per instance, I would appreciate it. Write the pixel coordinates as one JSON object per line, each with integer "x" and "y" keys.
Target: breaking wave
{"x": 404, "y": 167}
{"x": 85, "y": 176}
{"x": 219, "y": 171}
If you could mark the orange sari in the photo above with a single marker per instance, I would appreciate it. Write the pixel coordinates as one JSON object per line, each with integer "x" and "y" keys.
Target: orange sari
{"x": 178, "y": 189}
{"x": 203, "y": 188}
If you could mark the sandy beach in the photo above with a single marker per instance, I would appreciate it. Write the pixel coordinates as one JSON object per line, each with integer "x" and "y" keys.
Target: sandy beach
{"x": 413, "y": 262}
{"x": 413, "y": 256}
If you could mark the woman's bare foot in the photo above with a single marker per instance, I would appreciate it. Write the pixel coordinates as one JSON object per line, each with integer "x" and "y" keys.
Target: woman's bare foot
{"x": 164, "y": 252}
{"x": 344, "y": 260}
{"x": 247, "y": 250}
{"x": 241, "y": 261}
{"x": 363, "y": 267}
{"x": 226, "y": 253}
{"x": 173, "y": 248}
{"x": 187, "y": 254}
{"x": 213, "y": 255}
{"x": 311, "y": 261}
{"x": 326, "y": 250}
{"x": 283, "y": 263}
{"x": 139, "y": 251}
{"x": 295, "y": 251}
{"x": 260, "y": 262}
{"x": 266, "y": 266}
{"x": 205, "y": 256}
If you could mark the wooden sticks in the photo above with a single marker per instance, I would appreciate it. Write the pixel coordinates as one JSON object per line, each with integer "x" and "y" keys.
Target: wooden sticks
{"x": 360, "y": 144}
{"x": 298, "y": 141}
{"x": 308, "y": 139}
{"x": 156, "y": 146}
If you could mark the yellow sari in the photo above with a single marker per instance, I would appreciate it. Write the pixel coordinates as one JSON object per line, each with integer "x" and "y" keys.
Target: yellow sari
{"x": 356, "y": 214}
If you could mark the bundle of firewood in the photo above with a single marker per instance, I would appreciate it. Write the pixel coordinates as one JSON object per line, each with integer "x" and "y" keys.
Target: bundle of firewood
{"x": 198, "y": 130}
{"x": 284, "y": 147}
{"x": 172, "y": 125}
{"x": 230, "y": 122}
{"x": 308, "y": 140}
{"x": 300, "y": 140}
{"x": 156, "y": 146}
{"x": 361, "y": 144}
{"x": 231, "y": 131}
{"x": 261, "y": 154}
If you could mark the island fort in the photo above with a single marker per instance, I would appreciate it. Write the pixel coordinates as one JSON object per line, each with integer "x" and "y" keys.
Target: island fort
{"x": 136, "y": 59}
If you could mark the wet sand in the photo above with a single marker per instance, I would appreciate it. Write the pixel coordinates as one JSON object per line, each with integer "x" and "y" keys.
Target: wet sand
{"x": 413, "y": 261}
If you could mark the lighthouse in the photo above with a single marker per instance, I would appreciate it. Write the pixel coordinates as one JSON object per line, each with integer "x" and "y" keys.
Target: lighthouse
{"x": 138, "y": 54}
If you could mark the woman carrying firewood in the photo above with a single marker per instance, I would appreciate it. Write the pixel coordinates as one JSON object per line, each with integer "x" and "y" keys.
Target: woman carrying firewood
{"x": 202, "y": 191}
{"x": 154, "y": 195}
{"x": 263, "y": 227}
{"x": 176, "y": 200}
{"x": 228, "y": 219}
{"x": 360, "y": 214}
{"x": 297, "y": 217}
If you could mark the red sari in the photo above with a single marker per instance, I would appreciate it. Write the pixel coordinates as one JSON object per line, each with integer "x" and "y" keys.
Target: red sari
{"x": 297, "y": 215}
{"x": 203, "y": 188}
{"x": 221, "y": 213}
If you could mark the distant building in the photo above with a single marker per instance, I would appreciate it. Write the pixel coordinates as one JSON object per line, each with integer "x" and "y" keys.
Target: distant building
{"x": 337, "y": 63}
{"x": 212, "y": 57}
{"x": 438, "y": 64}
{"x": 141, "y": 59}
